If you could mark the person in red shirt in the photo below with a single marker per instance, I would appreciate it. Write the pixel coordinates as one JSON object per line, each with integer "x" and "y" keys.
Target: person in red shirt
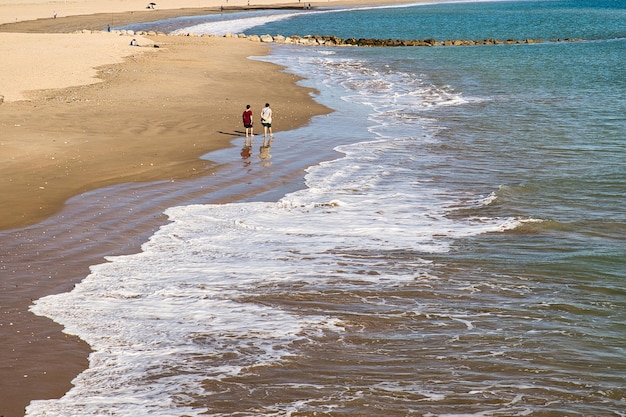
{"x": 247, "y": 121}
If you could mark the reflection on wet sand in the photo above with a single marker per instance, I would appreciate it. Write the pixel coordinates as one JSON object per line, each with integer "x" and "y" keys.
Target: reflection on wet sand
{"x": 264, "y": 151}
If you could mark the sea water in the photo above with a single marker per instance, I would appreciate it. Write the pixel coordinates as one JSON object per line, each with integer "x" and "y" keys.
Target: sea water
{"x": 461, "y": 254}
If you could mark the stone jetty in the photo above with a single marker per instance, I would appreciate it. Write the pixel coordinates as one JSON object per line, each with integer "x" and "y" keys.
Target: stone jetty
{"x": 318, "y": 40}
{"x": 315, "y": 40}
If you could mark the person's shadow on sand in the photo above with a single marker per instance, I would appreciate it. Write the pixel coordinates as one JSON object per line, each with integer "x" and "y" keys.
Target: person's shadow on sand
{"x": 237, "y": 133}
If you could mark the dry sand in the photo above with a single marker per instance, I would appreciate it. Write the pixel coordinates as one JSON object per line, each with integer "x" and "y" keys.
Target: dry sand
{"x": 21, "y": 10}
{"x": 59, "y": 142}
{"x": 63, "y": 142}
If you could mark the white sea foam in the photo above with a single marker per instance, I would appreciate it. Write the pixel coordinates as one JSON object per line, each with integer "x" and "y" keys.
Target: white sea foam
{"x": 239, "y": 25}
{"x": 183, "y": 311}
{"x": 149, "y": 317}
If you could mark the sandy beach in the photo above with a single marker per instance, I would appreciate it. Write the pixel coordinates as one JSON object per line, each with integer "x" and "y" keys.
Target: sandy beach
{"x": 82, "y": 109}
{"x": 64, "y": 79}
{"x": 62, "y": 91}
{"x": 455, "y": 306}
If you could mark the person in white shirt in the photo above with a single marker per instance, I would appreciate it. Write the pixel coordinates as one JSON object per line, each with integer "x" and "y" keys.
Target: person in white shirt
{"x": 266, "y": 120}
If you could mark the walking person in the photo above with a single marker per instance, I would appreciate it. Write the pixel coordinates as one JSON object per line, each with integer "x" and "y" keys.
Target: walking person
{"x": 248, "y": 122}
{"x": 266, "y": 120}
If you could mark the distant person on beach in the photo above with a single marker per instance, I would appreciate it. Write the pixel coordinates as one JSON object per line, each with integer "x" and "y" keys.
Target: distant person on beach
{"x": 54, "y": 14}
{"x": 133, "y": 43}
{"x": 247, "y": 121}
{"x": 266, "y": 120}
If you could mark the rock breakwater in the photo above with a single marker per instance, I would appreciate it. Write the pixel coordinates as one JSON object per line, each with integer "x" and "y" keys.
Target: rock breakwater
{"x": 315, "y": 40}
{"x": 319, "y": 40}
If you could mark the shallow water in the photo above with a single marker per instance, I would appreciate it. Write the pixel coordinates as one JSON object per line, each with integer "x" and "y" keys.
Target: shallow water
{"x": 461, "y": 254}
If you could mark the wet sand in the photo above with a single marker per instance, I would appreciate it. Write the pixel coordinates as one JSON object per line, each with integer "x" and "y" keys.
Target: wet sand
{"x": 89, "y": 161}
{"x": 149, "y": 119}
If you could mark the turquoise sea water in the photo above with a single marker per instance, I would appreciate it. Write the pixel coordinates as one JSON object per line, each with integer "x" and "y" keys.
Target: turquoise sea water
{"x": 463, "y": 255}
{"x": 551, "y": 19}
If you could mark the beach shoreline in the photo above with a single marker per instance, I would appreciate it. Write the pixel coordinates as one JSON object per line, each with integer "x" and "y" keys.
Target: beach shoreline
{"x": 142, "y": 115}
{"x": 59, "y": 143}
{"x": 403, "y": 247}
{"x": 47, "y": 85}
